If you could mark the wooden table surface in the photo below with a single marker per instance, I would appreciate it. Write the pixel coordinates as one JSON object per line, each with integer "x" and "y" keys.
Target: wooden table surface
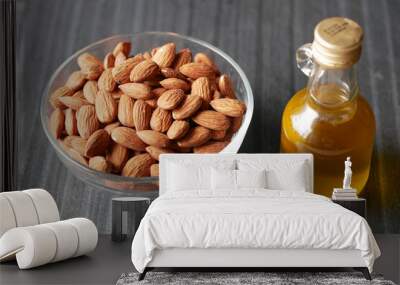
{"x": 262, "y": 36}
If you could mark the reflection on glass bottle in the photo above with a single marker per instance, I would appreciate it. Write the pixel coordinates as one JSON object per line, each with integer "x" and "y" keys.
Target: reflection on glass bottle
{"x": 329, "y": 117}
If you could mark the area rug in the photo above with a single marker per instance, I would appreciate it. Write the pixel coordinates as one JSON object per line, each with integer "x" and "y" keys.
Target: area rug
{"x": 232, "y": 278}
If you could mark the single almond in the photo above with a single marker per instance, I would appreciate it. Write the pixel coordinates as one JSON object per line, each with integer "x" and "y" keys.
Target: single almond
{"x": 154, "y": 138}
{"x": 218, "y": 135}
{"x": 195, "y": 70}
{"x": 183, "y": 57}
{"x": 90, "y": 91}
{"x": 76, "y": 80}
{"x": 121, "y": 72}
{"x": 79, "y": 94}
{"x": 77, "y": 156}
{"x": 106, "y": 81}
{"x": 229, "y": 107}
{"x": 118, "y": 156}
{"x": 90, "y": 66}
{"x": 106, "y": 107}
{"x": 136, "y": 90}
{"x": 143, "y": 71}
{"x": 212, "y": 120}
{"x": 178, "y": 129}
{"x": 226, "y": 87}
{"x": 203, "y": 58}
{"x": 79, "y": 144}
{"x": 67, "y": 141}
{"x": 170, "y": 99}
{"x": 109, "y": 61}
{"x": 161, "y": 120}
{"x": 154, "y": 170}
{"x": 125, "y": 111}
{"x": 124, "y": 47}
{"x": 152, "y": 103}
{"x": 141, "y": 115}
{"x": 175, "y": 83}
{"x": 97, "y": 143}
{"x": 87, "y": 121}
{"x": 99, "y": 163}
{"x": 196, "y": 137}
{"x": 168, "y": 72}
{"x": 201, "y": 87}
{"x": 119, "y": 59}
{"x": 164, "y": 55}
{"x": 57, "y": 122}
{"x": 128, "y": 138}
{"x": 211, "y": 147}
{"x": 71, "y": 126}
{"x": 155, "y": 152}
{"x": 54, "y": 99}
{"x": 73, "y": 102}
{"x": 153, "y": 51}
{"x": 158, "y": 91}
{"x": 109, "y": 128}
{"x": 138, "y": 166}
{"x": 190, "y": 105}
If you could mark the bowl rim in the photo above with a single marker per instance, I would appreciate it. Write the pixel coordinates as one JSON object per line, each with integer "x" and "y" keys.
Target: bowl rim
{"x": 110, "y": 176}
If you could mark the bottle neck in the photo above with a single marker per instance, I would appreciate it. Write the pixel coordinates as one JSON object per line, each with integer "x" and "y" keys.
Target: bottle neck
{"x": 332, "y": 88}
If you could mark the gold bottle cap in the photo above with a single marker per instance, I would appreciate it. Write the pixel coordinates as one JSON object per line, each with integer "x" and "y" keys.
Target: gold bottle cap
{"x": 337, "y": 42}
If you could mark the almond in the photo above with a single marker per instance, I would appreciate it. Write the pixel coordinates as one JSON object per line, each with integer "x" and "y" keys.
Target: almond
{"x": 154, "y": 138}
{"x": 124, "y": 47}
{"x": 236, "y": 123}
{"x": 168, "y": 72}
{"x": 195, "y": 70}
{"x": 145, "y": 70}
{"x": 79, "y": 144}
{"x": 218, "y": 135}
{"x": 121, "y": 72}
{"x": 212, "y": 120}
{"x": 128, "y": 138}
{"x": 110, "y": 127}
{"x": 211, "y": 147}
{"x": 90, "y": 91}
{"x": 229, "y": 107}
{"x": 118, "y": 156}
{"x": 225, "y": 86}
{"x": 116, "y": 95}
{"x": 73, "y": 102}
{"x": 56, "y": 122}
{"x": 119, "y": 59}
{"x": 106, "y": 81}
{"x": 155, "y": 152}
{"x": 77, "y": 156}
{"x": 87, "y": 121}
{"x": 178, "y": 129}
{"x": 217, "y": 95}
{"x": 106, "y": 107}
{"x": 99, "y": 163}
{"x": 138, "y": 166}
{"x": 70, "y": 122}
{"x": 165, "y": 55}
{"x": 154, "y": 170}
{"x": 147, "y": 55}
{"x": 152, "y": 103}
{"x": 125, "y": 111}
{"x": 190, "y": 105}
{"x": 183, "y": 57}
{"x": 158, "y": 91}
{"x": 203, "y": 58}
{"x": 57, "y": 94}
{"x": 136, "y": 90}
{"x": 196, "y": 137}
{"x": 141, "y": 115}
{"x": 161, "y": 120}
{"x": 68, "y": 140}
{"x": 170, "y": 99}
{"x": 90, "y": 66}
{"x": 109, "y": 61}
{"x": 175, "y": 83}
{"x": 201, "y": 87}
{"x": 97, "y": 143}
{"x": 79, "y": 94}
{"x": 76, "y": 80}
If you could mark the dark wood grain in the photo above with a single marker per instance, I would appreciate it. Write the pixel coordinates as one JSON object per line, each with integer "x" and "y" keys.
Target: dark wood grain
{"x": 262, "y": 36}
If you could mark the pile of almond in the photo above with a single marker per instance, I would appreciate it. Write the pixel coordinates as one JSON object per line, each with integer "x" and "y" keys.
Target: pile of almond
{"x": 119, "y": 115}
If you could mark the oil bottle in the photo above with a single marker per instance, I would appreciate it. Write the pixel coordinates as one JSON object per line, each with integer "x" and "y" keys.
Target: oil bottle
{"x": 329, "y": 118}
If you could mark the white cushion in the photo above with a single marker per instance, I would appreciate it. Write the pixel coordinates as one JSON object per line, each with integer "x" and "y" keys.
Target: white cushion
{"x": 251, "y": 178}
{"x": 40, "y": 244}
{"x": 23, "y": 208}
{"x": 185, "y": 175}
{"x": 7, "y": 218}
{"x": 223, "y": 179}
{"x": 45, "y": 206}
{"x": 288, "y": 175}
{"x": 226, "y": 179}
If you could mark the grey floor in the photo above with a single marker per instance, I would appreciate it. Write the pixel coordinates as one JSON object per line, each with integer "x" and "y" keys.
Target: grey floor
{"x": 110, "y": 260}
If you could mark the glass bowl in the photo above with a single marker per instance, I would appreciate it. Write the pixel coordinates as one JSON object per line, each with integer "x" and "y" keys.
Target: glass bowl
{"x": 142, "y": 42}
